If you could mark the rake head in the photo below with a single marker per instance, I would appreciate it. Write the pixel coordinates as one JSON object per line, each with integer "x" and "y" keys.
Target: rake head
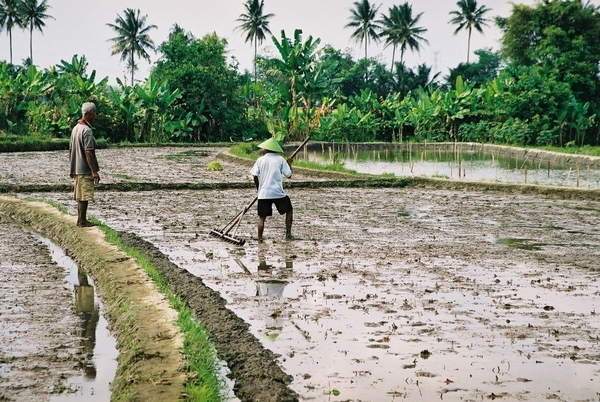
{"x": 226, "y": 237}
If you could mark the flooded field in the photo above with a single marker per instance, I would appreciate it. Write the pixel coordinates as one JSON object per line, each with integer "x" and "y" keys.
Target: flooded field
{"x": 400, "y": 293}
{"x": 392, "y": 294}
{"x": 466, "y": 163}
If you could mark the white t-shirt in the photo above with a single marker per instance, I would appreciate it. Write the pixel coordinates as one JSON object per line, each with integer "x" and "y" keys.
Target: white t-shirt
{"x": 270, "y": 169}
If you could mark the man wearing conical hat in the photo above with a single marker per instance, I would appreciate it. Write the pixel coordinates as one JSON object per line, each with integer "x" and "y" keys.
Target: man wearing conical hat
{"x": 268, "y": 173}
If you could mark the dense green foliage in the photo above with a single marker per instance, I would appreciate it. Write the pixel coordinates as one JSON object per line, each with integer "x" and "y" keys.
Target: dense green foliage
{"x": 540, "y": 89}
{"x": 210, "y": 103}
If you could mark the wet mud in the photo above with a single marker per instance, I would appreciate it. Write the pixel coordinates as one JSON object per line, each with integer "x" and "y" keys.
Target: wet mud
{"x": 38, "y": 332}
{"x": 401, "y": 293}
{"x": 254, "y": 368}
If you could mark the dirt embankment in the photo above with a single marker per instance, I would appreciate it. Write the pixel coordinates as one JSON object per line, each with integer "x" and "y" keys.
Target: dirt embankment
{"x": 253, "y": 367}
{"x": 150, "y": 367}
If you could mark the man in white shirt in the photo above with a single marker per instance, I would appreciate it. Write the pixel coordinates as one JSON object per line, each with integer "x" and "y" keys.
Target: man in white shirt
{"x": 268, "y": 173}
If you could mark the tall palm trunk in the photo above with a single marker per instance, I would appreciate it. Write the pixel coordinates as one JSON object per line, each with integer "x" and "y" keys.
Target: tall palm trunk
{"x": 10, "y": 44}
{"x": 255, "y": 52}
{"x": 132, "y": 67}
{"x": 366, "y": 66}
{"x": 31, "y": 43}
{"x": 469, "y": 46}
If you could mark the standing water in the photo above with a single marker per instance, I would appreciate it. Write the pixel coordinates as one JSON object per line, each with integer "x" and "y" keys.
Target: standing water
{"x": 474, "y": 164}
{"x": 98, "y": 345}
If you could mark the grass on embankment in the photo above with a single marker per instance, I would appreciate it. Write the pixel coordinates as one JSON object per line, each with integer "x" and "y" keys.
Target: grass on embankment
{"x": 247, "y": 150}
{"x": 584, "y": 150}
{"x": 204, "y": 384}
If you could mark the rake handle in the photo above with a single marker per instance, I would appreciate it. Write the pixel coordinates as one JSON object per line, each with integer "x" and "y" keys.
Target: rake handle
{"x": 299, "y": 147}
{"x": 236, "y": 219}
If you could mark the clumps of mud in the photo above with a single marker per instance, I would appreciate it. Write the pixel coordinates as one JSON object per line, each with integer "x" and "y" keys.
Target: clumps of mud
{"x": 253, "y": 368}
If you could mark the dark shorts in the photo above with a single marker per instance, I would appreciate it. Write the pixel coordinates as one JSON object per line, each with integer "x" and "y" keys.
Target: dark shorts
{"x": 265, "y": 207}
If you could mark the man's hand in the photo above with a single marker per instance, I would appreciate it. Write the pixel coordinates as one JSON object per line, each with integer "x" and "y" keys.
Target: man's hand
{"x": 96, "y": 177}
{"x": 290, "y": 160}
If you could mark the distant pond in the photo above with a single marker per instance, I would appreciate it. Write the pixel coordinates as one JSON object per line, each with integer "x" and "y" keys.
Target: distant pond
{"x": 462, "y": 161}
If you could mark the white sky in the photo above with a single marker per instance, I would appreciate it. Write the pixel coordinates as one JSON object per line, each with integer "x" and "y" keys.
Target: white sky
{"x": 80, "y": 28}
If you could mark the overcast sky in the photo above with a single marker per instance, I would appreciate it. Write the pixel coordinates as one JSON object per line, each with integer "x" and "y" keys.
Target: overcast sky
{"x": 79, "y": 27}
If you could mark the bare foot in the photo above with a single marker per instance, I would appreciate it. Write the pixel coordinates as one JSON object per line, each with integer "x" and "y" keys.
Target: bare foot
{"x": 86, "y": 224}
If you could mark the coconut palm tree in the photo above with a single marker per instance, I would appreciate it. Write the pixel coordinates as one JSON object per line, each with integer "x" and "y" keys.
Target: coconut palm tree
{"x": 363, "y": 21}
{"x": 34, "y": 14}
{"x": 255, "y": 24}
{"x": 469, "y": 16}
{"x": 399, "y": 29}
{"x": 132, "y": 38}
{"x": 10, "y": 16}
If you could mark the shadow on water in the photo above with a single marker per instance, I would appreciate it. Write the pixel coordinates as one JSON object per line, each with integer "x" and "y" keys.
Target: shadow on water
{"x": 97, "y": 344}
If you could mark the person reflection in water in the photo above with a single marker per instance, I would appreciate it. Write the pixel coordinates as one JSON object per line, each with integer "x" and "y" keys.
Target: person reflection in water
{"x": 273, "y": 280}
{"x": 89, "y": 313}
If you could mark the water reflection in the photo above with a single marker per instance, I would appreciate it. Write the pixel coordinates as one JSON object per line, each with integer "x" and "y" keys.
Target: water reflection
{"x": 89, "y": 313}
{"x": 97, "y": 344}
{"x": 272, "y": 280}
{"x": 476, "y": 164}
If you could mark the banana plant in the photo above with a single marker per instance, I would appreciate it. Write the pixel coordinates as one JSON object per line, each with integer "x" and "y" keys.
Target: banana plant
{"x": 127, "y": 105}
{"x": 303, "y": 78}
{"x": 156, "y": 98}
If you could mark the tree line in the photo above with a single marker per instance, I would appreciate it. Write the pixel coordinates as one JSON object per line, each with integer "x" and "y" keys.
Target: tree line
{"x": 540, "y": 88}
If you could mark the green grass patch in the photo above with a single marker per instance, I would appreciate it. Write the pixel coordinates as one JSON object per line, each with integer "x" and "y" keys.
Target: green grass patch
{"x": 336, "y": 166}
{"x": 125, "y": 177}
{"x": 248, "y": 150}
{"x": 31, "y": 144}
{"x": 199, "y": 352}
{"x": 214, "y": 166}
{"x": 584, "y": 150}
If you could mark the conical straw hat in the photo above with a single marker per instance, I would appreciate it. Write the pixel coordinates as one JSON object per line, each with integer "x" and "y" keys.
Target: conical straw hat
{"x": 271, "y": 144}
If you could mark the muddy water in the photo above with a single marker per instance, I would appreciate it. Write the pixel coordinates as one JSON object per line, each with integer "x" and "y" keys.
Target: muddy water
{"x": 473, "y": 162}
{"x": 390, "y": 294}
{"x": 386, "y": 294}
{"x": 98, "y": 345}
{"x": 55, "y": 344}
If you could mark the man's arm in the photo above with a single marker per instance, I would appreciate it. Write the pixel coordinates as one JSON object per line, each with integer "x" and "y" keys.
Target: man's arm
{"x": 255, "y": 181}
{"x": 90, "y": 158}
{"x": 289, "y": 162}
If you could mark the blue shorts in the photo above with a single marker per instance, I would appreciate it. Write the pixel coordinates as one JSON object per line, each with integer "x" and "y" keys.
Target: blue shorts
{"x": 265, "y": 206}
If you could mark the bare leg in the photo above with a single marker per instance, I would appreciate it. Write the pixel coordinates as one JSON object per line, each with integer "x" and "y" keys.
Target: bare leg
{"x": 261, "y": 227}
{"x": 289, "y": 218}
{"x": 81, "y": 212}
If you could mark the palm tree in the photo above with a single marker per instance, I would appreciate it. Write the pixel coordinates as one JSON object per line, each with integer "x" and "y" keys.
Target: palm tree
{"x": 255, "y": 24}
{"x": 469, "y": 16}
{"x": 34, "y": 14}
{"x": 399, "y": 29}
{"x": 364, "y": 24}
{"x": 132, "y": 38}
{"x": 10, "y": 15}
